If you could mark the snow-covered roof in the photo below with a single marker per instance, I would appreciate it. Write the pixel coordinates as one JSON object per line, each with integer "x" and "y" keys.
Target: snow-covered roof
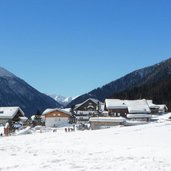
{"x": 55, "y": 109}
{"x": 138, "y": 106}
{"x": 162, "y": 107}
{"x": 115, "y": 104}
{"x": 23, "y": 118}
{"x": 93, "y": 100}
{"x": 107, "y": 119}
{"x": 67, "y": 109}
{"x": 130, "y": 116}
{"x": 134, "y": 106}
{"x": 151, "y": 104}
{"x": 10, "y": 112}
{"x": 159, "y": 106}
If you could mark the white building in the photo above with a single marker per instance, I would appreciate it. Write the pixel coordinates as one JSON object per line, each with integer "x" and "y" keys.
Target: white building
{"x": 56, "y": 117}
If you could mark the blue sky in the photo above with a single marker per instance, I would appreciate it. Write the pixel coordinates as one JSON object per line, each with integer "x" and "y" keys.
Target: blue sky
{"x": 70, "y": 47}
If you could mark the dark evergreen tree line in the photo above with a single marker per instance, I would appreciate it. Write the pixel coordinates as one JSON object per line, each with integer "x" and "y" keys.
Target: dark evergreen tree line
{"x": 159, "y": 92}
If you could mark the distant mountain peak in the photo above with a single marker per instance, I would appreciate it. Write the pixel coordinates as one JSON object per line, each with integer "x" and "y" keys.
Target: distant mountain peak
{"x": 62, "y": 99}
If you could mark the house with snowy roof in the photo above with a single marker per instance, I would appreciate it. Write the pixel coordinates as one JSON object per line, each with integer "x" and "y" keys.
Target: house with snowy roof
{"x": 131, "y": 109}
{"x": 56, "y": 117}
{"x": 88, "y": 108}
{"x": 157, "y": 108}
{"x": 14, "y": 114}
{"x": 116, "y": 107}
{"x": 138, "y": 110}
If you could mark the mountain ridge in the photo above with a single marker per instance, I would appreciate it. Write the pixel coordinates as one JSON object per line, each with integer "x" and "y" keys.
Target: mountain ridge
{"x": 16, "y": 92}
{"x": 158, "y": 91}
{"x": 133, "y": 79}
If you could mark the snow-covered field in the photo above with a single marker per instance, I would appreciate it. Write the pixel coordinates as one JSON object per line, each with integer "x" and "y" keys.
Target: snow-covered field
{"x": 136, "y": 148}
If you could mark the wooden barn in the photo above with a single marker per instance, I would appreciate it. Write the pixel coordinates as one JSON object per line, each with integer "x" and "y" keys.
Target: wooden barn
{"x": 56, "y": 117}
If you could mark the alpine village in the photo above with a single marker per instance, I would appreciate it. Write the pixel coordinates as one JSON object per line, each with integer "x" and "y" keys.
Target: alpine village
{"x": 141, "y": 97}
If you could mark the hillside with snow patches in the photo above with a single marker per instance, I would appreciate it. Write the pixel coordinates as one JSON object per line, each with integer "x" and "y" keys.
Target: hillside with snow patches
{"x": 136, "y": 148}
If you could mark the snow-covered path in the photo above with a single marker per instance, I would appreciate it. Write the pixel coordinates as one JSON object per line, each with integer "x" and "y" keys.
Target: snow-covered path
{"x": 138, "y": 148}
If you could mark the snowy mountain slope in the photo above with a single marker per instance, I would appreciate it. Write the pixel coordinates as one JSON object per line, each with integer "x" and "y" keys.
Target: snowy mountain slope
{"x": 148, "y": 75}
{"x": 5, "y": 73}
{"x": 136, "y": 148}
{"x": 62, "y": 100}
{"x": 16, "y": 92}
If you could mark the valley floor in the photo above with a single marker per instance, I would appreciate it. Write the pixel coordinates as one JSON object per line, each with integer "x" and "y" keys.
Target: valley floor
{"x": 136, "y": 148}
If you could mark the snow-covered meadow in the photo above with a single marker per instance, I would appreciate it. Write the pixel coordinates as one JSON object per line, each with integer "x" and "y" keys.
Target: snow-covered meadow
{"x": 137, "y": 148}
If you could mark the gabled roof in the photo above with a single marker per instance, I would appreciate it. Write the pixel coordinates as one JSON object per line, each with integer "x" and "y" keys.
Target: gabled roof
{"x": 151, "y": 104}
{"x": 10, "y": 112}
{"x": 159, "y": 106}
{"x": 162, "y": 107}
{"x": 138, "y": 106}
{"x": 56, "y": 109}
{"x": 93, "y": 100}
{"x": 133, "y": 106}
{"x": 115, "y": 104}
{"x": 67, "y": 109}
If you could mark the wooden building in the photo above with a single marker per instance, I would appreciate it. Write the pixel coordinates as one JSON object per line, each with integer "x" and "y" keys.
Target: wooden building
{"x": 116, "y": 107}
{"x": 10, "y": 114}
{"x": 56, "y": 117}
{"x": 89, "y": 108}
{"x": 130, "y": 109}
